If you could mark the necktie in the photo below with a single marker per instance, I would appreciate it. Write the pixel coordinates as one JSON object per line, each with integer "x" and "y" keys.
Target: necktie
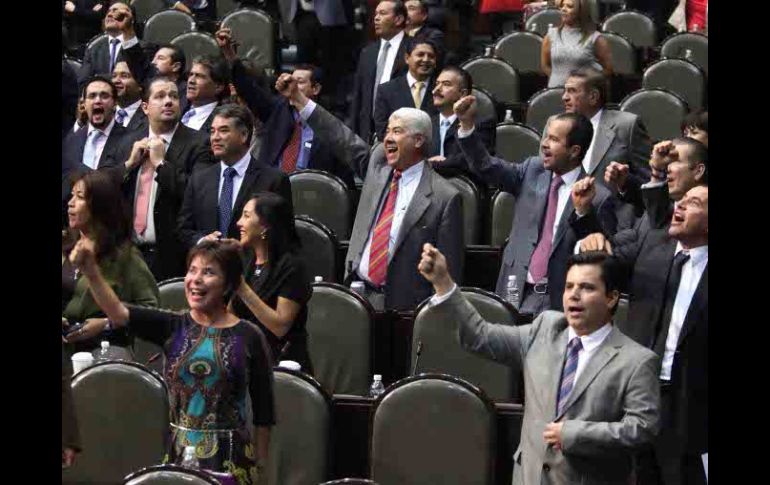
{"x": 121, "y": 116}
{"x": 186, "y": 117}
{"x": 146, "y": 176}
{"x": 113, "y": 52}
{"x": 445, "y": 124}
{"x": 416, "y": 90}
{"x": 672, "y": 287}
{"x": 378, "y": 252}
{"x": 89, "y": 153}
{"x": 226, "y": 201}
{"x": 291, "y": 152}
{"x": 538, "y": 265}
{"x": 380, "y": 69}
{"x": 568, "y": 373}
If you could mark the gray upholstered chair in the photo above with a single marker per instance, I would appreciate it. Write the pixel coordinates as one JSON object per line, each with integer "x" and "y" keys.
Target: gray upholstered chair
{"x": 486, "y": 104}
{"x": 622, "y": 52}
{"x": 195, "y": 44}
{"x": 661, "y": 111}
{"x": 299, "y": 441}
{"x": 515, "y": 142}
{"x": 74, "y": 63}
{"x": 224, "y": 7}
{"x": 169, "y": 475}
{"x": 540, "y": 21}
{"x": 433, "y": 429}
{"x": 679, "y": 76}
{"x": 172, "y": 295}
{"x": 521, "y": 50}
{"x": 256, "y": 32}
{"x": 678, "y": 45}
{"x": 496, "y": 76}
{"x": 502, "y": 206}
{"x": 324, "y": 197}
{"x": 319, "y": 249}
{"x": 96, "y": 40}
{"x": 542, "y": 105}
{"x": 147, "y": 8}
{"x": 471, "y": 196}
{"x": 164, "y": 26}
{"x": 636, "y": 26}
{"x": 340, "y": 328}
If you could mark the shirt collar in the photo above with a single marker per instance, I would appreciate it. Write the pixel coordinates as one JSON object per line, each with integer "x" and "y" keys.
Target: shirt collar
{"x": 206, "y": 108}
{"x": 595, "y": 118}
{"x": 593, "y": 339}
{"x": 240, "y": 166}
{"x": 697, "y": 255}
{"x": 394, "y": 41}
{"x": 451, "y": 119}
{"x": 167, "y": 137}
{"x": 571, "y": 177}
{"x": 110, "y": 37}
{"x": 412, "y": 172}
{"x": 131, "y": 108}
{"x": 410, "y": 80}
{"x": 105, "y": 131}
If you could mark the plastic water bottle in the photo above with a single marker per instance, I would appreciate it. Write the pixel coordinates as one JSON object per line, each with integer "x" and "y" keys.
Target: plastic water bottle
{"x": 357, "y": 287}
{"x": 377, "y": 387}
{"x": 105, "y": 353}
{"x": 319, "y": 279}
{"x": 189, "y": 459}
{"x": 512, "y": 293}
{"x": 688, "y": 54}
{"x": 550, "y": 26}
{"x": 508, "y": 116}
{"x": 533, "y": 27}
{"x": 488, "y": 51}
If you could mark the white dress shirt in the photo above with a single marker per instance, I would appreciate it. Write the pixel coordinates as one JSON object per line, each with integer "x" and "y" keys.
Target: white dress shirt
{"x": 390, "y": 59}
{"x": 444, "y": 128}
{"x": 123, "y": 44}
{"x": 589, "y": 153}
{"x": 149, "y": 233}
{"x": 100, "y": 142}
{"x": 692, "y": 271}
{"x": 202, "y": 113}
{"x": 407, "y": 186}
{"x": 590, "y": 343}
{"x": 130, "y": 111}
{"x": 240, "y": 167}
{"x": 411, "y": 80}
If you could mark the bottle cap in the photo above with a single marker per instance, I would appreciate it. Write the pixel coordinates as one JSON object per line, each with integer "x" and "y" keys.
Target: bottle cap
{"x": 319, "y": 279}
{"x": 105, "y": 344}
{"x": 377, "y": 377}
{"x": 189, "y": 450}
{"x": 511, "y": 277}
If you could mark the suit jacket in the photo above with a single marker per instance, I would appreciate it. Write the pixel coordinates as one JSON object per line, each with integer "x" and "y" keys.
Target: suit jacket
{"x": 330, "y": 13}
{"x": 396, "y": 94}
{"x": 434, "y": 215}
{"x": 97, "y": 60}
{"x": 138, "y": 122}
{"x": 277, "y": 117}
{"x": 199, "y": 215}
{"x": 529, "y": 182}
{"x": 648, "y": 260}
{"x": 363, "y": 86}
{"x": 206, "y": 126}
{"x": 455, "y": 163}
{"x": 612, "y": 409}
{"x": 189, "y": 149}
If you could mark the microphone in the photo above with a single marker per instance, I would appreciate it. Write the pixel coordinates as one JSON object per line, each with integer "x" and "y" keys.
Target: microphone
{"x": 417, "y": 357}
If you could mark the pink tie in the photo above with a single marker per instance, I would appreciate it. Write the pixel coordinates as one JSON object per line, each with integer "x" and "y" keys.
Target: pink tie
{"x": 538, "y": 265}
{"x": 143, "y": 198}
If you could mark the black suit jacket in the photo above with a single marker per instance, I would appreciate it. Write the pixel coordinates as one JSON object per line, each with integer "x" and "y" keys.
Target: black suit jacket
{"x": 188, "y": 149}
{"x": 363, "y": 86}
{"x": 277, "y": 116}
{"x": 199, "y": 215}
{"x": 455, "y": 163}
{"x": 138, "y": 122}
{"x": 97, "y": 59}
{"x": 396, "y": 94}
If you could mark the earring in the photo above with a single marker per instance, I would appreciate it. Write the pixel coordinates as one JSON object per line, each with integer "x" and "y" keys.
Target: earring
{"x": 263, "y": 236}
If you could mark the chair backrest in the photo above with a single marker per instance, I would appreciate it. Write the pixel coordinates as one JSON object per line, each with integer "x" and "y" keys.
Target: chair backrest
{"x": 319, "y": 249}
{"x": 521, "y": 50}
{"x": 623, "y": 53}
{"x": 433, "y": 429}
{"x": 99, "y": 39}
{"x": 299, "y": 441}
{"x": 661, "y": 111}
{"x": 471, "y": 196}
{"x": 486, "y": 104}
{"x": 164, "y": 26}
{"x": 542, "y": 105}
{"x": 677, "y": 45}
{"x": 621, "y": 314}
{"x": 255, "y": 31}
{"x": 147, "y": 8}
{"x": 74, "y": 63}
{"x": 636, "y": 26}
{"x": 324, "y": 197}
{"x": 169, "y": 475}
{"x": 503, "y": 205}
{"x": 224, "y": 7}
{"x": 496, "y": 76}
{"x": 172, "y": 295}
{"x": 515, "y": 142}
{"x": 441, "y": 351}
{"x": 123, "y": 417}
{"x": 195, "y": 44}
{"x": 679, "y": 76}
{"x": 539, "y": 22}
{"x": 340, "y": 329}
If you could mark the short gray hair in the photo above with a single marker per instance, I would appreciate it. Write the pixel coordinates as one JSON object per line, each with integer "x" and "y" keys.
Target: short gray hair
{"x": 417, "y": 123}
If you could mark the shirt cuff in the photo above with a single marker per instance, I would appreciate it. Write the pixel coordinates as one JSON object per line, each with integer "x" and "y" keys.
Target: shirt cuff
{"x": 461, "y": 133}
{"x": 437, "y": 300}
{"x": 577, "y": 247}
{"x": 307, "y": 110}
{"x": 652, "y": 185}
{"x": 127, "y": 44}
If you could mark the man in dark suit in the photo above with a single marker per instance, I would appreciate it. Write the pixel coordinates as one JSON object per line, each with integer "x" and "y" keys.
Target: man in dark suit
{"x": 556, "y": 205}
{"x": 215, "y": 197}
{"x": 668, "y": 312}
{"x": 378, "y": 62}
{"x": 404, "y": 203}
{"x": 169, "y": 60}
{"x": 207, "y": 87}
{"x": 119, "y": 27}
{"x": 84, "y": 20}
{"x": 288, "y": 142}
{"x": 411, "y": 90}
{"x": 416, "y": 17}
{"x": 129, "y": 113}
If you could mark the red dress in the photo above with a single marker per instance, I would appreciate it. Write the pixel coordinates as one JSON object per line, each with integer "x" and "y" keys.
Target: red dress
{"x": 495, "y": 6}
{"x": 696, "y": 14}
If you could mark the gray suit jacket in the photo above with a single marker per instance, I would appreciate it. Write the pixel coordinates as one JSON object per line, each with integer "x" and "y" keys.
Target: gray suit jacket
{"x": 612, "y": 410}
{"x": 434, "y": 214}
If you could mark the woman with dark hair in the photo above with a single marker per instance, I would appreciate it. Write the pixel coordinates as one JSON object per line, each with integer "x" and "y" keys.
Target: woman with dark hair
{"x": 275, "y": 290}
{"x": 573, "y": 44}
{"x": 96, "y": 213}
{"x": 696, "y": 126}
{"x": 213, "y": 360}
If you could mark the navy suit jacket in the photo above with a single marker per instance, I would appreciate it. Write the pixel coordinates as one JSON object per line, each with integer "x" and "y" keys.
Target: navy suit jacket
{"x": 396, "y": 94}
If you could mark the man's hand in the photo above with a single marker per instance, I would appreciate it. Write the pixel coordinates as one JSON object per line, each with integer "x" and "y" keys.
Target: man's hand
{"x": 214, "y": 236}
{"x": 156, "y": 150}
{"x": 663, "y": 153}
{"x": 126, "y": 24}
{"x": 182, "y": 8}
{"x": 433, "y": 268}
{"x": 83, "y": 255}
{"x": 582, "y": 194}
{"x": 437, "y": 160}
{"x": 90, "y": 329}
{"x": 97, "y": 7}
{"x": 69, "y": 7}
{"x": 595, "y": 242}
{"x": 226, "y": 44}
{"x": 67, "y": 454}
{"x": 139, "y": 153}
{"x": 465, "y": 109}
{"x": 552, "y": 434}
{"x": 616, "y": 176}
{"x": 287, "y": 86}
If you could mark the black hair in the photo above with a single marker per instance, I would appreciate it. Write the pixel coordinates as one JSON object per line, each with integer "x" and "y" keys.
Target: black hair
{"x": 242, "y": 116}
{"x": 228, "y": 256}
{"x": 594, "y": 81}
{"x": 581, "y": 133}
{"x": 466, "y": 80}
{"x": 611, "y": 270}
{"x": 699, "y": 154}
{"x": 103, "y": 79}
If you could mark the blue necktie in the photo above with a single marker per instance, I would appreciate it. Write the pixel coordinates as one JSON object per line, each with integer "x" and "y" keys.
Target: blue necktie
{"x": 113, "y": 52}
{"x": 443, "y": 129}
{"x": 89, "y": 153}
{"x": 186, "y": 117}
{"x": 121, "y": 116}
{"x": 568, "y": 374}
{"x": 226, "y": 201}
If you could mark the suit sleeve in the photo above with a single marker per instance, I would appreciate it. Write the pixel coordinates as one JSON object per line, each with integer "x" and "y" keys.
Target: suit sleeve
{"x": 260, "y": 102}
{"x": 382, "y": 112}
{"x": 486, "y": 132}
{"x": 637, "y": 427}
{"x": 639, "y": 150}
{"x": 657, "y": 203}
{"x": 450, "y": 237}
{"x": 492, "y": 170}
{"x": 355, "y": 105}
{"x": 87, "y": 68}
{"x": 282, "y": 186}
{"x": 186, "y": 228}
{"x": 201, "y": 157}
{"x": 345, "y": 145}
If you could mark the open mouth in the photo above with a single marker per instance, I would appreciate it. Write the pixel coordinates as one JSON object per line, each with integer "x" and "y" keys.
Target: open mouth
{"x": 196, "y": 294}
{"x": 574, "y": 310}
{"x": 391, "y": 149}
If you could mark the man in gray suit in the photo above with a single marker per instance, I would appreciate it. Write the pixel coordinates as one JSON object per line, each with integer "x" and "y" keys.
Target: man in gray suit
{"x": 403, "y": 204}
{"x": 592, "y": 393}
{"x": 555, "y": 204}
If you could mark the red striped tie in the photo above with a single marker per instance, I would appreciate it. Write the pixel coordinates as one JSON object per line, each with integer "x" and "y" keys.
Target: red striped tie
{"x": 291, "y": 152}
{"x": 378, "y": 252}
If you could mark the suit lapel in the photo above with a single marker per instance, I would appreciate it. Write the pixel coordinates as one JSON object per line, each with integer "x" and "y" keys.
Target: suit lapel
{"x": 698, "y": 303}
{"x": 554, "y": 365}
{"x": 249, "y": 178}
{"x": 561, "y": 228}
{"x": 80, "y": 144}
{"x": 604, "y": 137}
{"x": 418, "y": 205}
{"x": 179, "y": 140}
{"x": 543, "y": 185}
{"x": 210, "y": 194}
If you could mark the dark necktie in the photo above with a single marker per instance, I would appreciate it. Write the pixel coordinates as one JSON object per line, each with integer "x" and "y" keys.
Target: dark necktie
{"x": 226, "y": 200}
{"x": 672, "y": 287}
{"x": 113, "y": 52}
{"x": 291, "y": 152}
{"x": 568, "y": 373}
{"x": 538, "y": 264}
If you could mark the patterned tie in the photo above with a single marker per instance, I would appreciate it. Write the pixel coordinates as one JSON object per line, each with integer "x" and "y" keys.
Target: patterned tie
{"x": 291, "y": 152}
{"x": 672, "y": 288}
{"x": 226, "y": 201}
{"x": 378, "y": 252}
{"x": 121, "y": 116}
{"x": 186, "y": 117}
{"x": 113, "y": 52}
{"x": 568, "y": 373}
{"x": 143, "y": 198}
{"x": 445, "y": 124}
{"x": 538, "y": 265}
{"x": 89, "y": 153}
{"x": 416, "y": 90}
{"x": 380, "y": 70}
